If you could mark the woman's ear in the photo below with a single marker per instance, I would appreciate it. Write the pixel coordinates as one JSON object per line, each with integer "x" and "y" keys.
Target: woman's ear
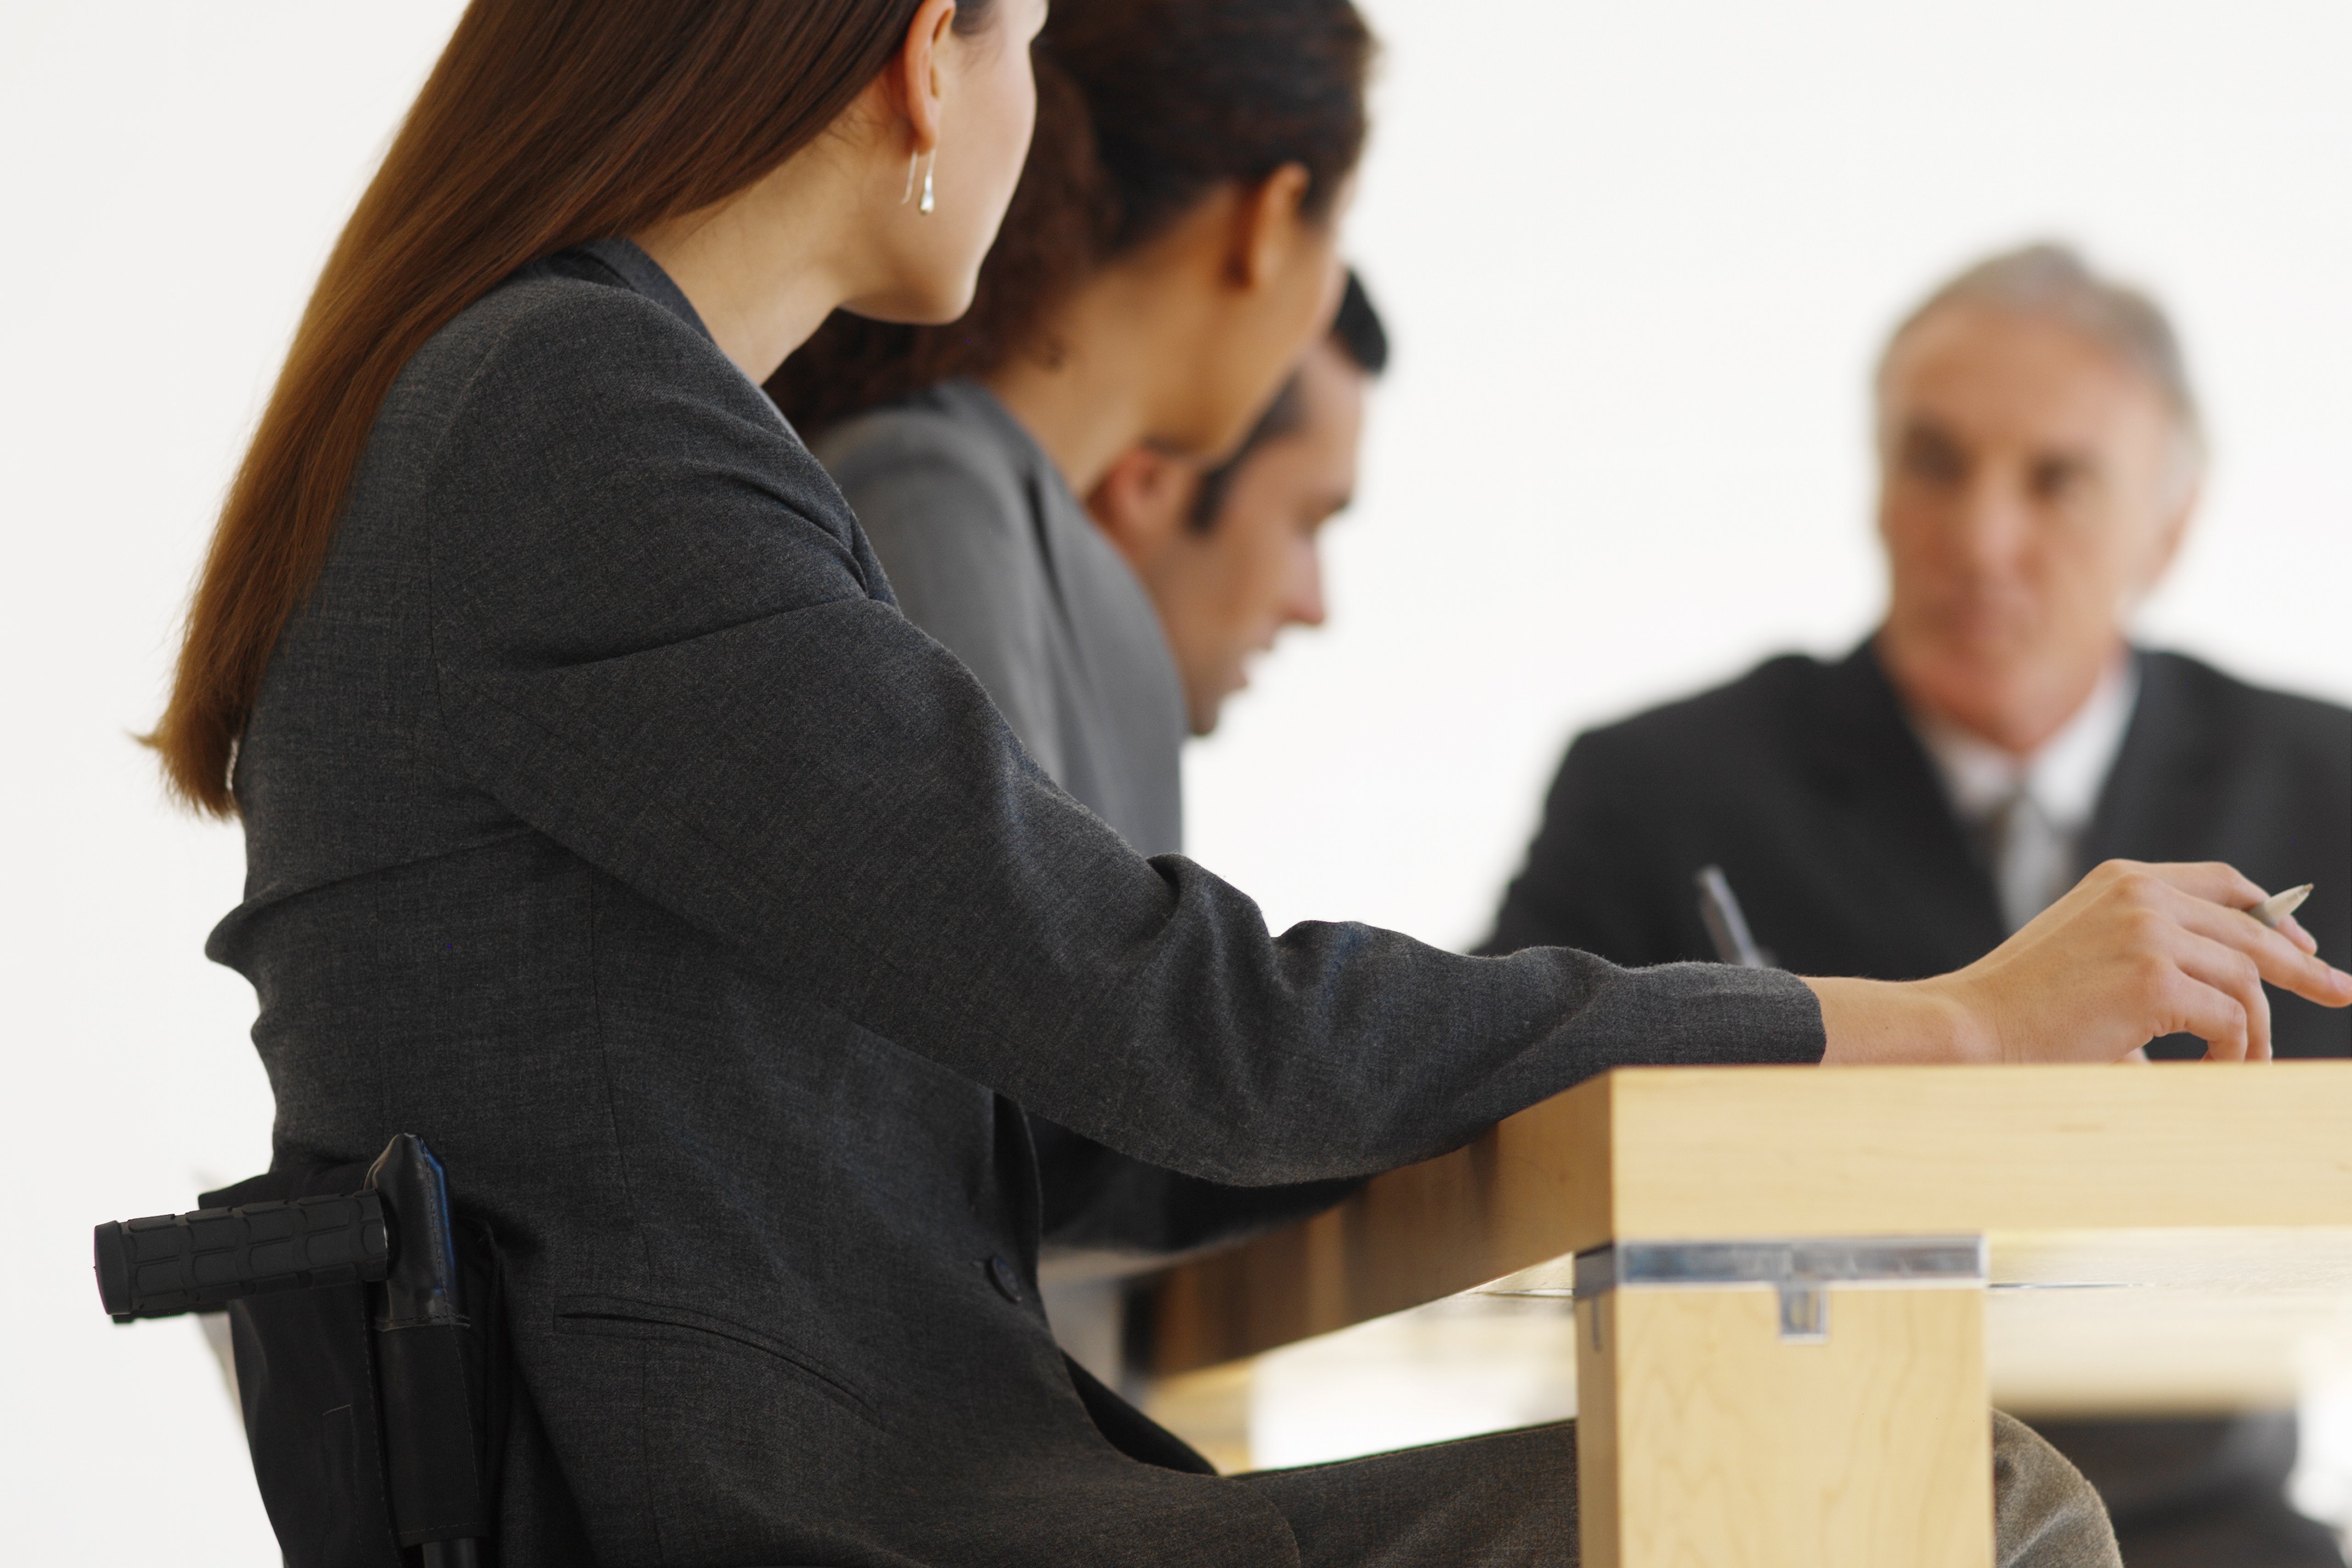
{"x": 923, "y": 70}
{"x": 1142, "y": 503}
{"x": 1269, "y": 225}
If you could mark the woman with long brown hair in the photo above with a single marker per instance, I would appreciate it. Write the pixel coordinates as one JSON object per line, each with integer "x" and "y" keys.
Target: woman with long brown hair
{"x": 609, "y": 826}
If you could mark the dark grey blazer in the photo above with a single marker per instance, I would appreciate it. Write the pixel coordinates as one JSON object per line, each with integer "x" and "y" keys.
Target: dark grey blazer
{"x": 609, "y": 826}
{"x": 988, "y": 551}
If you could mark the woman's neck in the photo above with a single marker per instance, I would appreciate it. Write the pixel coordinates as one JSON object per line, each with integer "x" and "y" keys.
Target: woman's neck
{"x": 764, "y": 268}
{"x": 1092, "y": 401}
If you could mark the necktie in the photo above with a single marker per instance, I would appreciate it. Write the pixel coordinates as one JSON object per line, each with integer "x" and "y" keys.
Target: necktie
{"x": 2032, "y": 860}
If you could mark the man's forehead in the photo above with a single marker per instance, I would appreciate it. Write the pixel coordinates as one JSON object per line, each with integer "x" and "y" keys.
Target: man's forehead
{"x": 1994, "y": 374}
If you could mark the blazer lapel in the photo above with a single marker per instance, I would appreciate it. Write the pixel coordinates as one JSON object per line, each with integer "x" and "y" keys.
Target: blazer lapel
{"x": 2163, "y": 798}
{"x": 1903, "y": 846}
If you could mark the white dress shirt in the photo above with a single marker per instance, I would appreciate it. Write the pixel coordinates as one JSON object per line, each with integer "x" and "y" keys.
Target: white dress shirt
{"x": 2032, "y": 811}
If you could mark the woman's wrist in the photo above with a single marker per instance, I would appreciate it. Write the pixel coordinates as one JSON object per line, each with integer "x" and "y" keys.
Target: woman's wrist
{"x": 1886, "y": 1023}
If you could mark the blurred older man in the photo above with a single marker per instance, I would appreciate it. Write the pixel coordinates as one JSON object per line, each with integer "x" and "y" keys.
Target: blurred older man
{"x": 1896, "y": 813}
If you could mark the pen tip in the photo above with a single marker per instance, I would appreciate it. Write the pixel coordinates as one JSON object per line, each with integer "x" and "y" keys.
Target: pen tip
{"x": 2278, "y": 906}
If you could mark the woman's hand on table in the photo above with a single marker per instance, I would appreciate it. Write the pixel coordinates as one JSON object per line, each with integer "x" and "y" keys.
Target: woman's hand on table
{"x": 2134, "y": 952}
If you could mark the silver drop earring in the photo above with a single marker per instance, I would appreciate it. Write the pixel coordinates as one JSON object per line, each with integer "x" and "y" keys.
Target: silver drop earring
{"x": 929, "y": 201}
{"x": 908, "y": 195}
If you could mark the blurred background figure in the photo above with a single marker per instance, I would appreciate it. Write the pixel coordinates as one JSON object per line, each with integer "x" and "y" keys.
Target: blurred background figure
{"x": 1170, "y": 256}
{"x": 1229, "y": 554}
{"x": 1897, "y": 812}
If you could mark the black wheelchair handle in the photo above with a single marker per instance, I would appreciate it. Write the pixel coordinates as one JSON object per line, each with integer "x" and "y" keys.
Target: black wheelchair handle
{"x": 172, "y": 1263}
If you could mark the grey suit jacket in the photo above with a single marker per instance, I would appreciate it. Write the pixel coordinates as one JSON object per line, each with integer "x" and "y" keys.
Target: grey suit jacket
{"x": 608, "y": 826}
{"x": 989, "y": 552}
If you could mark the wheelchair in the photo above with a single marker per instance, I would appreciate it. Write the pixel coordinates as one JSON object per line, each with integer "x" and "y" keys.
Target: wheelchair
{"x": 370, "y": 1351}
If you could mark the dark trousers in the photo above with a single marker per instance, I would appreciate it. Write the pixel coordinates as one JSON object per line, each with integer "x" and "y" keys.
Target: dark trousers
{"x": 2198, "y": 1493}
{"x": 1508, "y": 1501}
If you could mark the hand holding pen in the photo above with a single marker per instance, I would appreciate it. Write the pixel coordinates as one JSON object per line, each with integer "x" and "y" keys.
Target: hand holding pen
{"x": 2132, "y": 953}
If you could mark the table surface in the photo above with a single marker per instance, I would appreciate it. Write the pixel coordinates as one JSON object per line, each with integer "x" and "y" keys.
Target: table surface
{"x": 2167, "y": 1237}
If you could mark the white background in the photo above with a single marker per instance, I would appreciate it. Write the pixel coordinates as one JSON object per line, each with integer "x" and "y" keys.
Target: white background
{"x": 1637, "y": 258}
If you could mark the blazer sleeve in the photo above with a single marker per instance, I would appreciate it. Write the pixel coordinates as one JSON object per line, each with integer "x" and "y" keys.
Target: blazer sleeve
{"x": 653, "y": 643}
{"x": 950, "y": 521}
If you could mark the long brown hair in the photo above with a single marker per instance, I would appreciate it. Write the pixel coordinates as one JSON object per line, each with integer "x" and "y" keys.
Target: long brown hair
{"x": 545, "y": 124}
{"x": 1144, "y": 106}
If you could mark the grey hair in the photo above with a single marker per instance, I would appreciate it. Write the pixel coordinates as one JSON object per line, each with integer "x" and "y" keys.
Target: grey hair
{"x": 2050, "y": 282}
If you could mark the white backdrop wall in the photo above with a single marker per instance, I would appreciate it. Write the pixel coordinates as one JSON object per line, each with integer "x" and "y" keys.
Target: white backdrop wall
{"x": 1636, "y": 259}
{"x": 1639, "y": 260}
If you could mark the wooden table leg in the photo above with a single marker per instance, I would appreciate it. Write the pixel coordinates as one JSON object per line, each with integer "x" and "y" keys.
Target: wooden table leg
{"x": 1783, "y": 1404}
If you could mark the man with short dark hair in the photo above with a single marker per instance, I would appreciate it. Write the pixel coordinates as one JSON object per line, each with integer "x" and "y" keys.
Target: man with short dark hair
{"x": 1897, "y": 812}
{"x": 1229, "y": 556}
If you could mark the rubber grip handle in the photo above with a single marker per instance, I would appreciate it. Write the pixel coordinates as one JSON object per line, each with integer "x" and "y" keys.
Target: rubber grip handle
{"x": 174, "y": 1263}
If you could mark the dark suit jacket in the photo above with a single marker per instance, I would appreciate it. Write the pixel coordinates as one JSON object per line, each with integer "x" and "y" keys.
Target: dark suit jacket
{"x": 1805, "y": 783}
{"x": 609, "y": 826}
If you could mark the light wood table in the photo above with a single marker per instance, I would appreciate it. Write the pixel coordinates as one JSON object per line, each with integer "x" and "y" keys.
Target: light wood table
{"x": 1797, "y": 1289}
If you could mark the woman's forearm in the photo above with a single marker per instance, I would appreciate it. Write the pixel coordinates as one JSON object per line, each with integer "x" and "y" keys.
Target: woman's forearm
{"x": 1887, "y": 1023}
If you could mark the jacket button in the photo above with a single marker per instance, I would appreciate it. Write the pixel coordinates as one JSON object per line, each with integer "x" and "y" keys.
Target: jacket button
{"x": 1007, "y": 1283}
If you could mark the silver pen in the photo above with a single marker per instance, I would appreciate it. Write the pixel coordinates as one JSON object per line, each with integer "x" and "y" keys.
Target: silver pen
{"x": 1718, "y": 910}
{"x": 2278, "y": 906}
